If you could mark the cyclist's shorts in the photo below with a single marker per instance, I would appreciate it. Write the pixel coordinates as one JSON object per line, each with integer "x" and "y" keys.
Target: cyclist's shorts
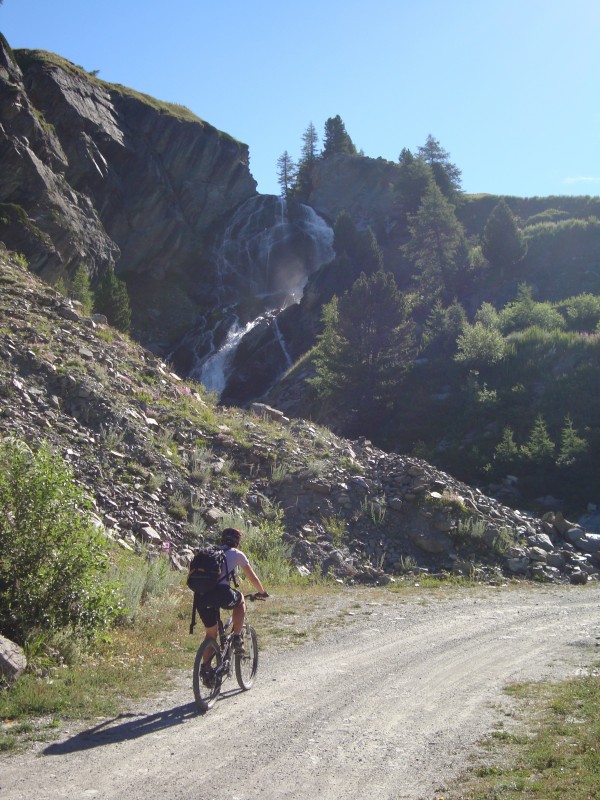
{"x": 222, "y": 596}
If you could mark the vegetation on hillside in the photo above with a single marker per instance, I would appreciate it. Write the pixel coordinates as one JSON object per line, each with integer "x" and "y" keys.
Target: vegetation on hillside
{"x": 502, "y": 295}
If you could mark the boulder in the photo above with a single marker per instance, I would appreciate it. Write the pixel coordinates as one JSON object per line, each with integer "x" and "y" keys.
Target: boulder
{"x": 12, "y": 659}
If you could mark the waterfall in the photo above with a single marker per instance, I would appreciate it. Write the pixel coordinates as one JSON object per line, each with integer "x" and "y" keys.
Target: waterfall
{"x": 270, "y": 251}
{"x": 263, "y": 260}
{"x": 282, "y": 343}
{"x": 213, "y": 371}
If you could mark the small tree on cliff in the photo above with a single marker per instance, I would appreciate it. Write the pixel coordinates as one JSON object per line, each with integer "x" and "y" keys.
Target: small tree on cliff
{"x": 112, "y": 300}
{"x": 336, "y": 138}
{"x": 308, "y": 156}
{"x": 286, "y": 174}
{"x": 446, "y": 174}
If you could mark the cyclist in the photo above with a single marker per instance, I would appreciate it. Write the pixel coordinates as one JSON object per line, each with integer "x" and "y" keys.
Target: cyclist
{"x": 225, "y": 596}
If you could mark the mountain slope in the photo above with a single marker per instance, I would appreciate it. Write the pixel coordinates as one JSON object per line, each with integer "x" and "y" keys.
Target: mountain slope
{"x": 165, "y": 465}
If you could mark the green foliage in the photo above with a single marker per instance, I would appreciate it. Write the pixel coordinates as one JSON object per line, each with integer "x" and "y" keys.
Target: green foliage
{"x": 539, "y": 448}
{"x": 141, "y": 578}
{"x": 112, "y": 300}
{"x": 436, "y": 248}
{"x": 445, "y": 173}
{"x": 572, "y": 446}
{"x": 506, "y": 452}
{"x": 443, "y": 326}
{"x": 478, "y": 346}
{"x": 336, "y": 138}
{"x": 286, "y": 173}
{"x": 488, "y": 316}
{"x": 53, "y": 561}
{"x": 582, "y": 312}
{"x": 503, "y": 243}
{"x": 414, "y": 179}
{"x": 525, "y": 312}
{"x": 80, "y": 289}
{"x": 367, "y": 343}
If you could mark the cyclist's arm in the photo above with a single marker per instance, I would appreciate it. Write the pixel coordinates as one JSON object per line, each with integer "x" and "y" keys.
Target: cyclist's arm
{"x": 253, "y": 578}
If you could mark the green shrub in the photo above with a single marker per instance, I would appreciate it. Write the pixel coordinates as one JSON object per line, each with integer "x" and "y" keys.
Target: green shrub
{"x": 479, "y": 346}
{"x": 53, "y": 561}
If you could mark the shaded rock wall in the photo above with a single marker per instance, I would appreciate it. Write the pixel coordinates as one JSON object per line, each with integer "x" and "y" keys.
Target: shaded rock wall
{"x": 107, "y": 176}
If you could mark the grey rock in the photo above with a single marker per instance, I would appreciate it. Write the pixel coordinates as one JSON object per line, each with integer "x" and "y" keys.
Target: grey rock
{"x": 12, "y": 659}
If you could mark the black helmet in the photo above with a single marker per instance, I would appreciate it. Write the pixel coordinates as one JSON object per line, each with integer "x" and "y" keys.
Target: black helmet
{"x": 231, "y": 537}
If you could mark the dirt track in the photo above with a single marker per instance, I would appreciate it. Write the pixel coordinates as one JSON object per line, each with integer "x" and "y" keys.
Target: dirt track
{"x": 392, "y": 705}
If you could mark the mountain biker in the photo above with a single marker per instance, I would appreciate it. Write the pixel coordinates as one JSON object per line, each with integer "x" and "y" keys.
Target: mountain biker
{"x": 224, "y": 595}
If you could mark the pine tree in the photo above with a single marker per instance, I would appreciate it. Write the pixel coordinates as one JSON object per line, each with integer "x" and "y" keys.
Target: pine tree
{"x": 437, "y": 242}
{"x": 539, "y": 447}
{"x": 308, "y": 156}
{"x": 80, "y": 289}
{"x": 503, "y": 243}
{"x": 445, "y": 173}
{"x": 572, "y": 446}
{"x": 506, "y": 452}
{"x": 414, "y": 178}
{"x": 367, "y": 344}
{"x": 286, "y": 174}
{"x": 336, "y": 139}
{"x": 112, "y": 300}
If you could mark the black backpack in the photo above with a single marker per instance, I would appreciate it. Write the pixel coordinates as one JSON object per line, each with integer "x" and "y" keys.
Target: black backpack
{"x": 206, "y": 568}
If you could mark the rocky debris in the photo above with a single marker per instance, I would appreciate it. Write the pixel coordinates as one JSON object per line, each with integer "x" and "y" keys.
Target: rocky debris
{"x": 12, "y": 660}
{"x": 165, "y": 467}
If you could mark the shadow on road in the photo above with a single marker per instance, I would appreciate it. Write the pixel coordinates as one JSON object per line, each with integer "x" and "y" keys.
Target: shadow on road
{"x": 133, "y": 726}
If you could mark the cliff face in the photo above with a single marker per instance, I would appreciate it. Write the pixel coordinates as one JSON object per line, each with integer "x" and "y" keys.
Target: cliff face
{"x": 94, "y": 173}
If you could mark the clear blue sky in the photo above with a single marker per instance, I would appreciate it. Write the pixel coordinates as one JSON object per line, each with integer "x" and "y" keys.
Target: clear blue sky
{"x": 509, "y": 87}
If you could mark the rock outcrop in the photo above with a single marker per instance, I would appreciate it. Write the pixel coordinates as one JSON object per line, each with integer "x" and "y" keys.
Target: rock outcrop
{"x": 97, "y": 174}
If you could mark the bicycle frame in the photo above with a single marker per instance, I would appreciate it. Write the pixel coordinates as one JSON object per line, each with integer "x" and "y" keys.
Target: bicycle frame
{"x": 206, "y": 690}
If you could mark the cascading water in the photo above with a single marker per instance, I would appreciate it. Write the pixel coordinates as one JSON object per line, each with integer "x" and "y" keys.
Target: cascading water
{"x": 264, "y": 258}
{"x": 214, "y": 369}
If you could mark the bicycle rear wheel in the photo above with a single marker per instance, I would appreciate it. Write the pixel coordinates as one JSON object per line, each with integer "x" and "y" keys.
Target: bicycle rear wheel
{"x": 207, "y": 674}
{"x": 246, "y": 663}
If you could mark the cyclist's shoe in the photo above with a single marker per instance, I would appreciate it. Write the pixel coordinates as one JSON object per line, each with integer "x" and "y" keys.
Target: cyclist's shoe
{"x": 207, "y": 675}
{"x": 238, "y": 643}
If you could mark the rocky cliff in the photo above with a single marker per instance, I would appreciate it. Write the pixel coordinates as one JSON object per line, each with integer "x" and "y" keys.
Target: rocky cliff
{"x": 97, "y": 174}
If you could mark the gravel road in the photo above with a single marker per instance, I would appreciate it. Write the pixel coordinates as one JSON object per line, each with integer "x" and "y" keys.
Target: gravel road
{"x": 391, "y": 705}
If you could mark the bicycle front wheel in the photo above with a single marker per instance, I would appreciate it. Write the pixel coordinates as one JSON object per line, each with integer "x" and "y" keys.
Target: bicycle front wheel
{"x": 246, "y": 663}
{"x": 207, "y": 674}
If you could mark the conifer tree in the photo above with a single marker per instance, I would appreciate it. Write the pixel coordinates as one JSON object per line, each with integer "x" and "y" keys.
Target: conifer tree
{"x": 80, "y": 289}
{"x": 503, "y": 243}
{"x": 445, "y": 173}
{"x": 414, "y": 178}
{"x": 286, "y": 174}
{"x": 506, "y": 452}
{"x": 436, "y": 244}
{"x": 367, "y": 344}
{"x": 539, "y": 447}
{"x": 572, "y": 446}
{"x": 336, "y": 139}
{"x": 112, "y": 300}
{"x": 308, "y": 156}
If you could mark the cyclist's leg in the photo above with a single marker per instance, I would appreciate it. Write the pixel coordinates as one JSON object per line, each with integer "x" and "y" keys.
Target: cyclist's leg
{"x": 238, "y": 613}
{"x": 209, "y": 617}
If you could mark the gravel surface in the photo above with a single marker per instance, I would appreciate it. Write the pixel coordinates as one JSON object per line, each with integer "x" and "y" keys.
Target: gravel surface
{"x": 392, "y": 705}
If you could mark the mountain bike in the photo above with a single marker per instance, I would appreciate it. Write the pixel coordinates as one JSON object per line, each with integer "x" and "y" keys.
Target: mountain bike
{"x": 216, "y": 660}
